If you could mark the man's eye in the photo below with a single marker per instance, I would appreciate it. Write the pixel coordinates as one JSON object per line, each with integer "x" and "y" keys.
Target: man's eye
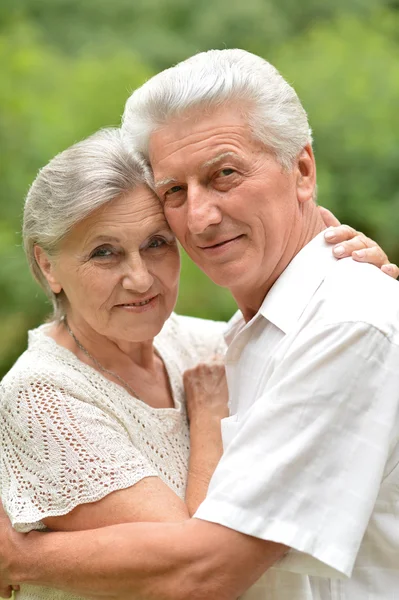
{"x": 173, "y": 190}
{"x": 226, "y": 172}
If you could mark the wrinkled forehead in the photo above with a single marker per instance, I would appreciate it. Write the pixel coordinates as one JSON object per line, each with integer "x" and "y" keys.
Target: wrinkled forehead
{"x": 200, "y": 136}
{"x": 132, "y": 214}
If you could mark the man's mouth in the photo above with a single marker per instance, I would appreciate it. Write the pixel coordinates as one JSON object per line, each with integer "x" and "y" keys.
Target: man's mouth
{"x": 221, "y": 243}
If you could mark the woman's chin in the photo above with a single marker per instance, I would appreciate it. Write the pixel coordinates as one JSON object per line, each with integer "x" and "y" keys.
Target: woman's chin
{"x": 140, "y": 331}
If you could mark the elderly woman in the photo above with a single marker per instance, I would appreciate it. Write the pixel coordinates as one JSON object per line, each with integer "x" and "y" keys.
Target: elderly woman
{"x": 93, "y": 416}
{"x": 93, "y": 419}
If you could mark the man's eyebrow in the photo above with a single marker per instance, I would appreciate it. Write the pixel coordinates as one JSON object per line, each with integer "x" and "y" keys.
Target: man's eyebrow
{"x": 205, "y": 165}
{"x": 217, "y": 159}
{"x": 163, "y": 182}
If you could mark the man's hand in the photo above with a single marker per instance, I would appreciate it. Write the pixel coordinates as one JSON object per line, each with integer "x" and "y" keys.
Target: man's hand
{"x": 7, "y": 555}
{"x": 349, "y": 242}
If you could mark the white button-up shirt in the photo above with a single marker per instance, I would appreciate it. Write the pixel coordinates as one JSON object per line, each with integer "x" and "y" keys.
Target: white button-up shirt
{"x": 311, "y": 447}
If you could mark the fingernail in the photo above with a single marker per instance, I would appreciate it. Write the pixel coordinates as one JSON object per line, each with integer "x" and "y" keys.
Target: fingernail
{"x": 329, "y": 235}
{"x": 360, "y": 253}
{"x": 388, "y": 268}
{"x": 339, "y": 250}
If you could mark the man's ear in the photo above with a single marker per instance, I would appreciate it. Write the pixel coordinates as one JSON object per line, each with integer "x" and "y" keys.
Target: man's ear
{"x": 47, "y": 268}
{"x": 306, "y": 175}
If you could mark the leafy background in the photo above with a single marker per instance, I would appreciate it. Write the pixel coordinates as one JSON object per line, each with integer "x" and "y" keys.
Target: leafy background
{"x": 67, "y": 67}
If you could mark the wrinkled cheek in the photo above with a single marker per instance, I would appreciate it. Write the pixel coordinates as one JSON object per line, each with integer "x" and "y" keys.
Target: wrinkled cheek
{"x": 95, "y": 301}
{"x": 177, "y": 221}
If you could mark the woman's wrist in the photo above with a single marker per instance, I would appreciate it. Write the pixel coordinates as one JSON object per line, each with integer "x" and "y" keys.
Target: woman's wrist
{"x": 211, "y": 415}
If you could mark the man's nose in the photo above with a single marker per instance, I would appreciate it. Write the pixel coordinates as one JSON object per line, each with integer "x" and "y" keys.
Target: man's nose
{"x": 203, "y": 209}
{"x": 136, "y": 276}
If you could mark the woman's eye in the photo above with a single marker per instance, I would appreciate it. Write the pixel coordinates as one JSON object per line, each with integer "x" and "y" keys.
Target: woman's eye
{"x": 157, "y": 243}
{"x": 226, "y": 172}
{"x": 101, "y": 253}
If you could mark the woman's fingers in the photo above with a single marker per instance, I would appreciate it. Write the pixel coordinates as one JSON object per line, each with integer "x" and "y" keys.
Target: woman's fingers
{"x": 342, "y": 233}
{"x": 330, "y": 220}
{"x": 349, "y": 242}
{"x": 360, "y": 243}
{"x": 206, "y": 391}
{"x": 373, "y": 255}
{"x": 391, "y": 270}
{"x": 5, "y": 591}
{"x": 205, "y": 379}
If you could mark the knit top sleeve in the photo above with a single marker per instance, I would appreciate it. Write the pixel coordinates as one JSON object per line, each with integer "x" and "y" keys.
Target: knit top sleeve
{"x": 58, "y": 449}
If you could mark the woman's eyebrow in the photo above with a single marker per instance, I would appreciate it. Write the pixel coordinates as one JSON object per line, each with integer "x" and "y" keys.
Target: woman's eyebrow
{"x": 101, "y": 239}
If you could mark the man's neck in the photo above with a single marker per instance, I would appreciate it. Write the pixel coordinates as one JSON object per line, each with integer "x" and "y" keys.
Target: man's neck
{"x": 249, "y": 301}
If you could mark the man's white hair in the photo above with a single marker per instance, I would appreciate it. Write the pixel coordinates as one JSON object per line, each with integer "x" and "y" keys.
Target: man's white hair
{"x": 214, "y": 78}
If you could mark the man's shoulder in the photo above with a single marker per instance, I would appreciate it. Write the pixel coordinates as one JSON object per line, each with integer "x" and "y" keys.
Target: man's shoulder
{"x": 360, "y": 292}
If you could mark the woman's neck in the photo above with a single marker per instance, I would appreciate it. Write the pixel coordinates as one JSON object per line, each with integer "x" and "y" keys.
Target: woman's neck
{"x": 109, "y": 352}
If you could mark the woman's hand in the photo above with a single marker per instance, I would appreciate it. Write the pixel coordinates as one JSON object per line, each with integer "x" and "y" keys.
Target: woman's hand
{"x": 349, "y": 242}
{"x": 8, "y": 555}
{"x": 206, "y": 391}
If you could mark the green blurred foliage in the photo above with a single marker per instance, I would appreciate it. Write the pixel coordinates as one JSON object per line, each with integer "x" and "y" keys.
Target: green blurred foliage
{"x": 68, "y": 66}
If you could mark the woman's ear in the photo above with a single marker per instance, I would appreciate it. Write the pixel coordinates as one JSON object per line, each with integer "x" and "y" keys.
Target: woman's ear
{"x": 47, "y": 268}
{"x": 306, "y": 175}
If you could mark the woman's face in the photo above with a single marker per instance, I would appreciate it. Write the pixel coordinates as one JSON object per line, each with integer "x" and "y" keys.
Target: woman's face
{"x": 119, "y": 269}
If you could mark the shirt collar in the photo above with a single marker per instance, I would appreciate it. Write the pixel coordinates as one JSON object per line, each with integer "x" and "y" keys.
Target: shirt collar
{"x": 233, "y": 326}
{"x": 293, "y": 290}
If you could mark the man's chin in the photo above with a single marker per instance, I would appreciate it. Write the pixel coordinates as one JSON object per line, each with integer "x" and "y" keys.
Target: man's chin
{"x": 227, "y": 276}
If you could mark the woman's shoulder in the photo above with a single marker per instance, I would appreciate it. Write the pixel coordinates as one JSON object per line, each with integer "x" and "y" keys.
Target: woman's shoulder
{"x": 44, "y": 362}
{"x": 201, "y": 338}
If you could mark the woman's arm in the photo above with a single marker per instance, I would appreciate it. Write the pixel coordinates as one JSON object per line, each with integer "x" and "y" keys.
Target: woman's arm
{"x": 206, "y": 398}
{"x": 150, "y": 499}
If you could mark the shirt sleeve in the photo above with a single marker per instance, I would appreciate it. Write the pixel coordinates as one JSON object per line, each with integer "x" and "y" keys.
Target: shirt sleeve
{"x": 305, "y": 464}
{"x": 58, "y": 451}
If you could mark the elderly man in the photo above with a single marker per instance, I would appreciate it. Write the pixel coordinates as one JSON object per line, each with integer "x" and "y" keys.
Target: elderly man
{"x": 310, "y": 472}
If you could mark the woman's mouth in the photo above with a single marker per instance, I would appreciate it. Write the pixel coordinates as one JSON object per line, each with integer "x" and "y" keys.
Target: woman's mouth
{"x": 137, "y": 303}
{"x": 140, "y": 305}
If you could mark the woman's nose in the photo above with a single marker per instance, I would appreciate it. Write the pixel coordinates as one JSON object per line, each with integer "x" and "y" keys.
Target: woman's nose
{"x": 137, "y": 277}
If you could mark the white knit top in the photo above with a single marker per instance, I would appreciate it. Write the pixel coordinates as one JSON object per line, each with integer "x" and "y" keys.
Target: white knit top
{"x": 70, "y": 436}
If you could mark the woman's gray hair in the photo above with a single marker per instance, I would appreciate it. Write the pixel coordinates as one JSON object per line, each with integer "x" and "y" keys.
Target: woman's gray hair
{"x": 73, "y": 184}
{"x": 211, "y": 79}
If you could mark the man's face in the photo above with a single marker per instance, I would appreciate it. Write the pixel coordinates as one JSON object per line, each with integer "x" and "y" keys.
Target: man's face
{"x": 227, "y": 199}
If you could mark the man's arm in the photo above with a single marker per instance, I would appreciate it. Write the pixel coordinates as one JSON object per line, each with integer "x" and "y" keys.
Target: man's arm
{"x": 193, "y": 560}
{"x": 294, "y": 470}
